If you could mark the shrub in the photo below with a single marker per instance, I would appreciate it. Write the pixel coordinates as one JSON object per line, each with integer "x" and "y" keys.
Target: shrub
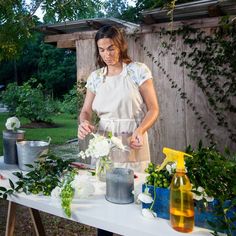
{"x": 10, "y": 97}
{"x": 73, "y": 100}
{"x": 27, "y": 101}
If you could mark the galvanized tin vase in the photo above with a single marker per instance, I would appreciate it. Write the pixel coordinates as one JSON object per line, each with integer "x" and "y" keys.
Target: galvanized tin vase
{"x": 119, "y": 186}
{"x": 9, "y": 145}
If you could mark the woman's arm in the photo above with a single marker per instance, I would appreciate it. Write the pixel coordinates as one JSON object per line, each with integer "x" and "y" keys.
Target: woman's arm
{"x": 85, "y": 116}
{"x": 148, "y": 94}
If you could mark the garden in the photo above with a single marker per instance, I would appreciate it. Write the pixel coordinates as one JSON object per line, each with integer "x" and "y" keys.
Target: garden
{"x": 194, "y": 67}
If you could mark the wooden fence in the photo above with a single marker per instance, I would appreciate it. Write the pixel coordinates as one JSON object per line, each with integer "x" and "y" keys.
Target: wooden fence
{"x": 177, "y": 125}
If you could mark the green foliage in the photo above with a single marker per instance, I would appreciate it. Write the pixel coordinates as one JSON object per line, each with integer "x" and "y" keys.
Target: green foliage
{"x": 211, "y": 170}
{"x": 217, "y": 175}
{"x": 73, "y": 101}
{"x": 160, "y": 179}
{"x": 42, "y": 179}
{"x": 210, "y": 60}
{"x": 16, "y": 23}
{"x": 59, "y": 11}
{"x": 212, "y": 66}
{"x": 67, "y": 192}
{"x": 133, "y": 13}
{"x": 56, "y": 69}
{"x": 10, "y": 97}
{"x": 17, "y": 20}
{"x": 26, "y": 101}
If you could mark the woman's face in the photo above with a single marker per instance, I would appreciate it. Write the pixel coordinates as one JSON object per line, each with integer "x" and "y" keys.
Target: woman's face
{"x": 108, "y": 51}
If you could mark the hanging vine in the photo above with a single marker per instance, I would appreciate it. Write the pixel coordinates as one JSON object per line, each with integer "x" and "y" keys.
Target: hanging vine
{"x": 211, "y": 62}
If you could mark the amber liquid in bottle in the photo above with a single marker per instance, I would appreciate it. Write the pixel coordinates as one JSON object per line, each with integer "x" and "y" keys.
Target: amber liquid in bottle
{"x": 181, "y": 203}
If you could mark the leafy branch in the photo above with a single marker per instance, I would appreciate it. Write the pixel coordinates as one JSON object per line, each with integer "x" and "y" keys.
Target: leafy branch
{"x": 42, "y": 179}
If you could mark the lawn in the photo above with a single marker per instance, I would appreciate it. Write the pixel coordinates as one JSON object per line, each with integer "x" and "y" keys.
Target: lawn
{"x": 66, "y": 130}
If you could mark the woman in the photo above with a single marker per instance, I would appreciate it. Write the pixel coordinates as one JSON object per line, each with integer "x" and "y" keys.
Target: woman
{"x": 119, "y": 92}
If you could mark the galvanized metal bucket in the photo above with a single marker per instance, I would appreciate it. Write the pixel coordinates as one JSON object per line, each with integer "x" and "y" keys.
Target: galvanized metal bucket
{"x": 29, "y": 151}
{"x": 120, "y": 185}
{"x": 9, "y": 145}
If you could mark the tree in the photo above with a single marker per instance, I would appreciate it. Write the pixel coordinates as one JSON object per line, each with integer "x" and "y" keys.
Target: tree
{"x": 115, "y": 8}
{"x": 57, "y": 69}
{"x": 17, "y": 20}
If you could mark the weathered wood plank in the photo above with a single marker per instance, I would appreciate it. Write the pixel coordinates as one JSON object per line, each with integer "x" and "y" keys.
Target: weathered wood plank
{"x": 85, "y": 58}
{"x": 177, "y": 125}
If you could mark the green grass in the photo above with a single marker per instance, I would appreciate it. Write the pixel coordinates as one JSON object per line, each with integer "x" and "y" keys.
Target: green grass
{"x": 67, "y": 129}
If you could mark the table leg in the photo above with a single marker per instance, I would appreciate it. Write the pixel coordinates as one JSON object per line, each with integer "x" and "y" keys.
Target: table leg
{"x": 38, "y": 225}
{"x": 11, "y": 219}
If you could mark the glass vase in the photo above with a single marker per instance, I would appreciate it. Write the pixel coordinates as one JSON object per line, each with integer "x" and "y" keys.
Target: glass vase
{"x": 103, "y": 164}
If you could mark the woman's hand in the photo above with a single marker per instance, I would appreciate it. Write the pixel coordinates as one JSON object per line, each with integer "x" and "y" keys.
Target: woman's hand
{"x": 84, "y": 129}
{"x": 136, "y": 141}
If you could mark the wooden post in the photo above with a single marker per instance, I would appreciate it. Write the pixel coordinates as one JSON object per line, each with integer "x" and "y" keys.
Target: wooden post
{"x": 38, "y": 226}
{"x": 11, "y": 219}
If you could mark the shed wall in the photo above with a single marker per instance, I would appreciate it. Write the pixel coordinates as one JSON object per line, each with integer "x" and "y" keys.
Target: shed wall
{"x": 177, "y": 125}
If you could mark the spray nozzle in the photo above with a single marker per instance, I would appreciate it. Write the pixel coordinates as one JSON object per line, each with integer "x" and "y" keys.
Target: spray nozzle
{"x": 174, "y": 155}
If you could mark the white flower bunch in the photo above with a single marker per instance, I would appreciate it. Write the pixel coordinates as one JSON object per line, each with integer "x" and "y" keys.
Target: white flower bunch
{"x": 201, "y": 195}
{"x": 100, "y": 146}
{"x": 82, "y": 186}
{"x": 12, "y": 123}
{"x": 146, "y": 197}
{"x": 73, "y": 186}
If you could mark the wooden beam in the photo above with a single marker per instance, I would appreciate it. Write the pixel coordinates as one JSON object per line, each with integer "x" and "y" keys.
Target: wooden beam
{"x": 72, "y": 36}
{"x": 66, "y": 44}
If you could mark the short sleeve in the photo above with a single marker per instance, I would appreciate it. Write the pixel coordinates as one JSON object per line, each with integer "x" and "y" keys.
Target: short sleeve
{"x": 140, "y": 72}
{"x": 90, "y": 85}
{"x": 144, "y": 74}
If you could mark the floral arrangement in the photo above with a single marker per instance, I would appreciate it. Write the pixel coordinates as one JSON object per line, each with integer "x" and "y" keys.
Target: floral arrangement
{"x": 99, "y": 148}
{"x": 12, "y": 123}
{"x": 212, "y": 176}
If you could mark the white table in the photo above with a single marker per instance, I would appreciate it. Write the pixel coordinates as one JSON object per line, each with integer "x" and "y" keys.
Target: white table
{"x": 96, "y": 211}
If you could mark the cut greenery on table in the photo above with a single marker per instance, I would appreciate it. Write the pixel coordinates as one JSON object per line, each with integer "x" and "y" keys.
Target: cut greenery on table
{"x": 51, "y": 176}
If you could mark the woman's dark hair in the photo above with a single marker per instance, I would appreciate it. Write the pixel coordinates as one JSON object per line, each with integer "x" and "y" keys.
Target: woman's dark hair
{"x": 117, "y": 36}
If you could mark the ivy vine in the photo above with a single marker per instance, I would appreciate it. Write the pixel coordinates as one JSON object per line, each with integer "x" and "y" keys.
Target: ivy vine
{"x": 211, "y": 62}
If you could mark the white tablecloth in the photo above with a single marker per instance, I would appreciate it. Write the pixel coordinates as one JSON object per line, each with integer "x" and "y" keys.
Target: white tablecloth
{"x": 96, "y": 211}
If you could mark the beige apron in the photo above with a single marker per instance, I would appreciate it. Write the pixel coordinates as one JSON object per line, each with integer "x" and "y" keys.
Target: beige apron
{"x": 120, "y": 107}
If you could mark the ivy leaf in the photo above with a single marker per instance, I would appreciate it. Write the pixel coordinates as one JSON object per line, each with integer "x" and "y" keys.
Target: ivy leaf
{"x": 11, "y": 184}
{"x": 3, "y": 189}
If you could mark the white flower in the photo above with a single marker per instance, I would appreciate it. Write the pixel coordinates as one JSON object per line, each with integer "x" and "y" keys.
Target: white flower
{"x": 202, "y": 195}
{"x": 171, "y": 168}
{"x": 82, "y": 185}
{"x": 117, "y": 142}
{"x": 56, "y": 193}
{"x": 12, "y": 123}
{"x": 148, "y": 213}
{"x": 101, "y": 148}
{"x": 145, "y": 198}
{"x": 209, "y": 199}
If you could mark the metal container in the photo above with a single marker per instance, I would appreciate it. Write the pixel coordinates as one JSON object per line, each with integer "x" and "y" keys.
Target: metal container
{"x": 119, "y": 186}
{"x": 9, "y": 145}
{"x": 29, "y": 151}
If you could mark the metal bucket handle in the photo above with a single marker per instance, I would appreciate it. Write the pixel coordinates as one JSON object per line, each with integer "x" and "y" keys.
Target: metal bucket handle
{"x": 49, "y": 139}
